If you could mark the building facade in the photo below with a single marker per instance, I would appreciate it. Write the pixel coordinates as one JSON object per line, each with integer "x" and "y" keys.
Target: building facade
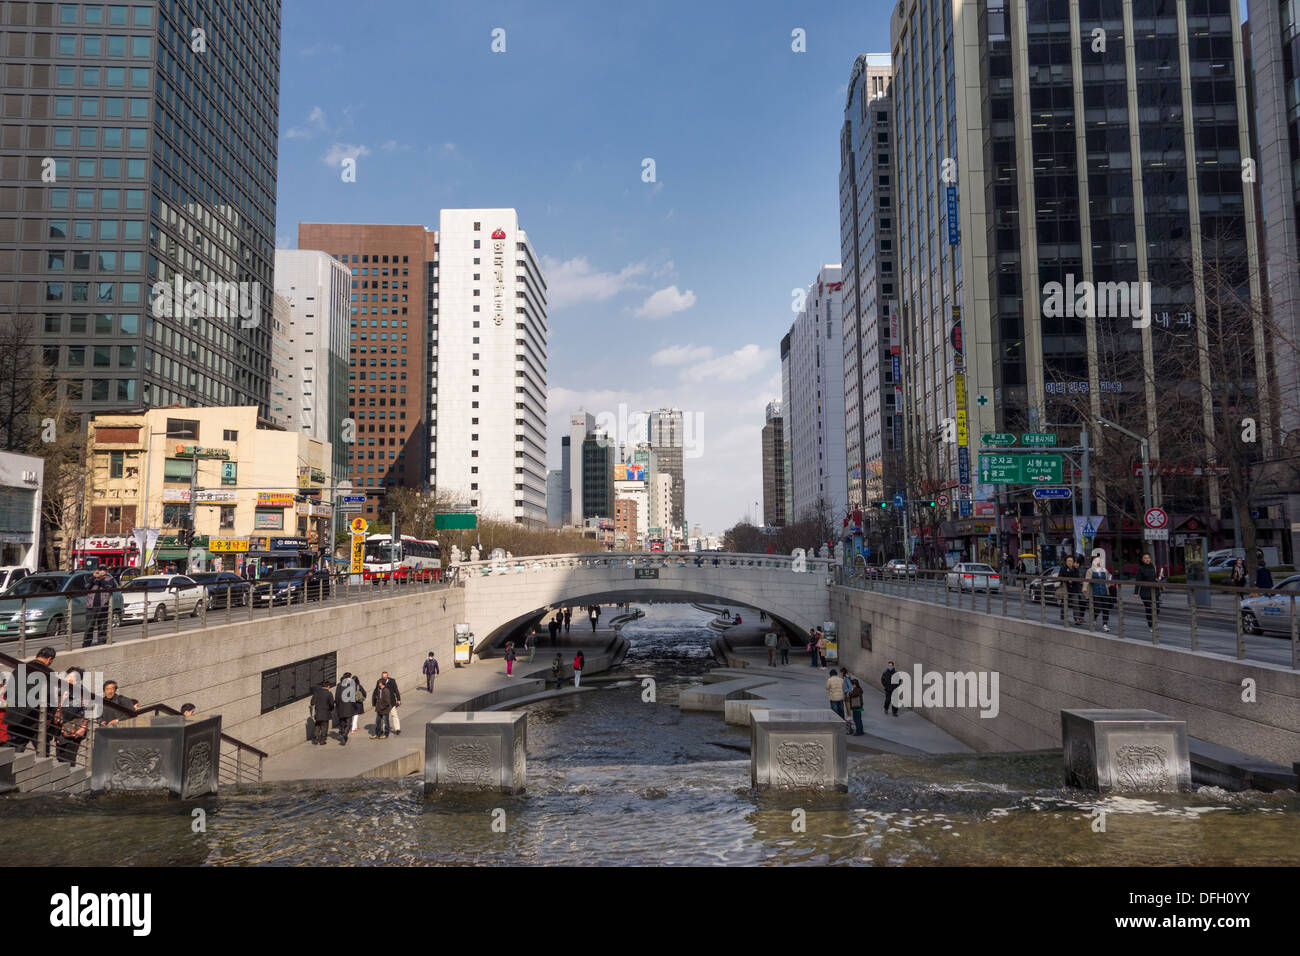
{"x": 774, "y": 467}
{"x": 22, "y": 479}
{"x": 285, "y": 399}
{"x": 667, "y": 438}
{"x": 581, "y": 425}
{"x": 160, "y": 179}
{"x": 597, "y": 477}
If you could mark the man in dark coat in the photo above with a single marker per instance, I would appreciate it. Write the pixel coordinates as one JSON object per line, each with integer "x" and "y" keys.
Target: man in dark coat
{"x": 1147, "y": 576}
{"x": 99, "y": 596}
{"x": 24, "y": 721}
{"x": 322, "y": 709}
{"x": 349, "y": 702}
{"x": 111, "y": 715}
{"x": 554, "y": 627}
{"x": 889, "y": 681}
{"x": 431, "y": 670}
{"x": 384, "y": 698}
{"x": 1070, "y": 593}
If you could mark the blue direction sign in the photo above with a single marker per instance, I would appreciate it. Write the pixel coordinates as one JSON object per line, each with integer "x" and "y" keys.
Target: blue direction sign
{"x": 353, "y": 499}
{"x": 898, "y": 501}
{"x": 1053, "y": 493}
{"x": 964, "y": 506}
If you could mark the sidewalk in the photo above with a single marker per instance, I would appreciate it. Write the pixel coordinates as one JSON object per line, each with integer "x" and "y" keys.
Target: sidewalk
{"x": 484, "y": 682}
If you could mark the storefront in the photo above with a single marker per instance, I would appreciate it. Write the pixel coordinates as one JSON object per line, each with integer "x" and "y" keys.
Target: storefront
{"x": 112, "y": 551}
{"x": 265, "y": 555}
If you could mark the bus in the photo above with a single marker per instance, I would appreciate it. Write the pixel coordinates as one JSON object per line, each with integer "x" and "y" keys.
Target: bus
{"x": 410, "y": 560}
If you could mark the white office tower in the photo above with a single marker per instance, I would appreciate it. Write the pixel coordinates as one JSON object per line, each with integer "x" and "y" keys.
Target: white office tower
{"x": 812, "y": 367}
{"x": 317, "y": 288}
{"x": 285, "y": 381}
{"x": 488, "y": 434}
{"x": 661, "y": 504}
{"x": 635, "y": 491}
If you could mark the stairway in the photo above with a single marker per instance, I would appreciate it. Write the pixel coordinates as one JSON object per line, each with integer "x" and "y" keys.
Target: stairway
{"x": 27, "y": 773}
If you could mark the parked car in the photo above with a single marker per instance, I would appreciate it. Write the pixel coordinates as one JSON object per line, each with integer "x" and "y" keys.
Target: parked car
{"x": 1046, "y": 587}
{"x": 224, "y": 588}
{"x": 871, "y": 571}
{"x": 161, "y": 596}
{"x": 9, "y": 576}
{"x": 50, "y": 596}
{"x": 973, "y": 576}
{"x": 899, "y": 567}
{"x": 291, "y": 586}
{"x": 1271, "y": 613}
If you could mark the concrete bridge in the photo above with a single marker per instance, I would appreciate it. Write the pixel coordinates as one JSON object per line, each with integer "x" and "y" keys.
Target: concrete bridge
{"x": 507, "y": 597}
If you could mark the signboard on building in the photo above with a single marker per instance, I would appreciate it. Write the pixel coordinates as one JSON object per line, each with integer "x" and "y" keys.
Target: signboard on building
{"x": 230, "y": 472}
{"x": 288, "y": 544}
{"x": 181, "y": 496}
{"x": 358, "y": 552}
{"x": 227, "y": 545}
{"x": 954, "y": 234}
{"x": 274, "y": 499}
{"x": 198, "y": 451}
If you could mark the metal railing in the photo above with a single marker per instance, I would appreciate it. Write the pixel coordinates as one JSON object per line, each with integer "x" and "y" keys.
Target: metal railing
{"x": 1173, "y": 614}
{"x": 466, "y": 570}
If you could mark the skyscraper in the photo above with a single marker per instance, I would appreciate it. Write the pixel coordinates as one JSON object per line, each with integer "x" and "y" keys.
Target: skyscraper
{"x": 597, "y": 477}
{"x": 133, "y": 162}
{"x": 488, "y": 422}
{"x": 390, "y": 327}
{"x": 668, "y": 439}
{"x": 581, "y": 424}
{"x": 774, "y": 467}
{"x": 873, "y": 416}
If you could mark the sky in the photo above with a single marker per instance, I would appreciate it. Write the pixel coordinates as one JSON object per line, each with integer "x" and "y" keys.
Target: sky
{"x": 666, "y": 290}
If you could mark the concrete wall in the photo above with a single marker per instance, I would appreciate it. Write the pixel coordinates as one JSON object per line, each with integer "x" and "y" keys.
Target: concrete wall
{"x": 1044, "y": 669}
{"x": 220, "y": 668}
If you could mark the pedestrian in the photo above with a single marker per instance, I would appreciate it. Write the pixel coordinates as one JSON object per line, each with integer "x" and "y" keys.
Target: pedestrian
{"x": 345, "y": 706}
{"x": 855, "y": 699}
{"x": 510, "y": 658}
{"x": 593, "y": 614}
{"x": 383, "y": 699}
{"x": 187, "y": 709}
{"x": 1147, "y": 575}
{"x": 812, "y": 647}
{"x": 24, "y": 719}
{"x": 769, "y": 639}
{"x": 889, "y": 681}
{"x": 355, "y": 697}
{"x": 70, "y": 717}
{"x": 394, "y": 717}
{"x": 835, "y": 692}
{"x": 430, "y": 669}
{"x": 109, "y": 715}
{"x": 1263, "y": 576}
{"x": 1070, "y": 600}
{"x": 557, "y": 671}
{"x": 738, "y": 621}
{"x": 1238, "y": 578}
{"x": 726, "y": 614}
{"x": 578, "y": 661}
{"x": 322, "y": 710}
{"x": 99, "y": 595}
{"x": 1099, "y": 580}
{"x": 530, "y": 644}
{"x": 821, "y": 647}
{"x": 568, "y": 618}
{"x": 554, "y": 627}
{"x": 783, "y": 645}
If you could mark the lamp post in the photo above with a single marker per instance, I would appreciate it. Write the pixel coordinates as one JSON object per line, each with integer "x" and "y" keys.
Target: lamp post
{"x": 1146, "y": 462}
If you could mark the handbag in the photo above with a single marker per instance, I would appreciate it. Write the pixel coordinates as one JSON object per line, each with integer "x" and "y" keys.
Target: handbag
{"x": 397, "y": 721}
{"x": 73, "y": 729}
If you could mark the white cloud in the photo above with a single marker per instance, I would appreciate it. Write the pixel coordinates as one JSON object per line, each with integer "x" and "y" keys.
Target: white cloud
{"x": 388, "y": 146}
{"x": 574, "y": 280}
{"x": 341, "y": 151}
{"x": 315, "y": 123}
{"x": 665, "y": 302}
{"x": 681, "y": 355}
{"x": 739, "y": 365}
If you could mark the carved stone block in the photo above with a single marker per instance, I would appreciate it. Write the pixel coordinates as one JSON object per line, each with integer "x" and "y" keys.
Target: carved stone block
{"x": 1125, "y": 751}
{"x": 158, "y": 753}
{"x": 476, "y": 751}
{"x": 797, "y": 750}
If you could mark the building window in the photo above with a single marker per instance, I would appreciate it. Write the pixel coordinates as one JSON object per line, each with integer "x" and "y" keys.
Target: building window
{"x": 229, "y": 434}
{"x": 116, "y": 464}
{"x": 227, "y": 517}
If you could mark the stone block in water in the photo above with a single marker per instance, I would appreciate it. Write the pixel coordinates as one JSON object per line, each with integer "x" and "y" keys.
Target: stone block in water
{"x": 1125, "y": 751}
{"x": 160, "y": 753}
{"x": 476, "y": 751}
{"x": 797, "y": 750}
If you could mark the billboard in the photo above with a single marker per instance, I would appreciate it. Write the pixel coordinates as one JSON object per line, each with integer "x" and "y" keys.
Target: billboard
{"x": 629, "y": 472}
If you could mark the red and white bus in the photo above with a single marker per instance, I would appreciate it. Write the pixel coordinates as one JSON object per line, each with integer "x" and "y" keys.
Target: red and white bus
{"x": 410, "y": 559}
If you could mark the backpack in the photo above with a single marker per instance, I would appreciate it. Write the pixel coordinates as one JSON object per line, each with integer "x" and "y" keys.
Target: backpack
{"x": 577, "y": 663}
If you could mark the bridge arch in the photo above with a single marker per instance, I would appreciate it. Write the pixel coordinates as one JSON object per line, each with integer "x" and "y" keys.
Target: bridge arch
{"x": 504, "y": 596}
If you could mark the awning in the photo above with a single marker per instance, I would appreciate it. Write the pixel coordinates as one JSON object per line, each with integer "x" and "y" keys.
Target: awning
{"x": 172, "y": 553}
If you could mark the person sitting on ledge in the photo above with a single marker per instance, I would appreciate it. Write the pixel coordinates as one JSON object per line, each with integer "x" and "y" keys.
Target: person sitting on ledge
{"x": 187, "y": 710}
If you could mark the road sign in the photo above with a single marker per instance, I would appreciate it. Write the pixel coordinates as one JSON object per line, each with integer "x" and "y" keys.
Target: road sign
{"x": 1049, "y": 493}
{"x": 455, "y": 522}
{"x": 353, "y": 499}
{"x": 942, "y": 500}
{"x": 358, "y": 551}
{"x": 965, "y": 507}
{"x": 1155, "y": 534}
{"x": 1021, "y": 469}
{"x": 898, "y": 501}
{"x": 1038, "y": 438}
{"x": 359, "y": 525}
{"x": 1156, "y": 519}
{"x": 997, "y": 438}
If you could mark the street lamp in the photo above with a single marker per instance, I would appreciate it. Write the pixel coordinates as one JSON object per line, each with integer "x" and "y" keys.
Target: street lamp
{"x": 1146, "y": 458}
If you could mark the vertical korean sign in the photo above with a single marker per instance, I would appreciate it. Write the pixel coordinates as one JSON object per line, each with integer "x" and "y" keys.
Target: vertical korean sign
{"x": 959, "y": 388}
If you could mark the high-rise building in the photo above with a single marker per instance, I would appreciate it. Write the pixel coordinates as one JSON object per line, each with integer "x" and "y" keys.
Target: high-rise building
{"x": 636, "y": 492}
{"x": 1084, "y": 146}
{"x": 581, "y": 424}
{"x": 488, "y": 404}
{"x": 626, "y": 532}
{"x": 667, "y": 438}
{"x": 872, "y": 394}
{"x": 812, "y": 368}
{"x": 391, "y": 318}
{"x": 134, "y": 164}
{"x": 317, "y": 288}
{"x": 556, "y": 495}
{"x": 597, "y": 476}
{"x": 774, "y": 467}
{"x": 283, "y": 412}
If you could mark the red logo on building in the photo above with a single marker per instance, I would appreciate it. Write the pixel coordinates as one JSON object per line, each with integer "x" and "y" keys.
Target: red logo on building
{"x": 499, "y": 234}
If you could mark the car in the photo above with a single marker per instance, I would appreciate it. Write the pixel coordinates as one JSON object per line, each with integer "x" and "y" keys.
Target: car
{"x": 1271, "y": 613}
{"x": 1046, "y": 587}
{"x": 899, "y": 567}
{"x": 973, "y": 576}
{"x": 291, "y": 586}
{"x": 9, "y": 576}
{"x": 224, "y": 588}
{"x": 161, "y": 596}
{"x": 49, "y": 597}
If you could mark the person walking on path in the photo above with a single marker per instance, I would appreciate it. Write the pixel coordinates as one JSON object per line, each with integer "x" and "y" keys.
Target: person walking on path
{"x": 812, "y": 647}
{"x": 1147, "y": 576}
{"x": 1238, "y": 577}
{"x": 594, "y": 613}
{"x": 358, "y": 703}
{"x": 557, "y": 671}
{"x": 24, "y": 720}
{"x": 322, "y": 709}
{"x": 769, "y": 639}
{"x": 568, "y": 618}
{"x": 431, "y": 671}
{"x": 346, "y": 706}
{"x": 835, "y": 692}
{"x": 99, "y": 595}
{"x": 821, "y": 647}
{"x": 530, "y": 642}
{"x": 553, "y": 625}
{"x": 1099, "y": 579}
{"x": 578, "y": 661}
{"x": 1263, "y": 576}
{"x": 847, "y": 681}
{"x": 1069, "y": 575}
{"x": 889, "y": 681}
{"x": 855, "y": 706}
{"x": 783, "y": 645}
{"x": 510, "y": 658}
{"x": 383, "y": 698}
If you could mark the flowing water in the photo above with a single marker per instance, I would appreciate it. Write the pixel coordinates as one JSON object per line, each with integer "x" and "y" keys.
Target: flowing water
{"x": 616, "y": 779}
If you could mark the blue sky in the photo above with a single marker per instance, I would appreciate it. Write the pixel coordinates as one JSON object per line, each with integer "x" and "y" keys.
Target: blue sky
{"x": 675, "y": 292}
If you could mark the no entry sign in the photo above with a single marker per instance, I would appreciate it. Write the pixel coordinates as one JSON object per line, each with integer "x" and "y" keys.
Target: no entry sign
{"x": 1156, "y": 518}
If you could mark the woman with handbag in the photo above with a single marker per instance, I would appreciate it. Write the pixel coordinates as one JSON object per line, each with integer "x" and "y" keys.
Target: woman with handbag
{"x": 70, "y": 718}
{"x": 1099, "y": 578}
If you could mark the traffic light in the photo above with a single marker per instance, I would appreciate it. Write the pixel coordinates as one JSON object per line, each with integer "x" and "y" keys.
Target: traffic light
{"x": 931, "y": 503}
{"x": 883, "y": 504}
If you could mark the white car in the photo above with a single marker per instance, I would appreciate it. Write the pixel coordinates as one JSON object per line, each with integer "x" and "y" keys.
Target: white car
{"x": 164, "y": 594}
{"x": 899, "y": 567}
{"x": 972, "y": 576}
{"x": 1271, "y": 613}
{"x": 10, "y": 576}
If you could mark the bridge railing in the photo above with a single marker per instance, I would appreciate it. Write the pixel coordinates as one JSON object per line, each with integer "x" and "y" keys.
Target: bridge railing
{"x": 467, "y": 570}
{"x": 1203, "y": 618}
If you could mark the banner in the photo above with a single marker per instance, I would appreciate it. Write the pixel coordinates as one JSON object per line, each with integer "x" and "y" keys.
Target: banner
{"x": 358, "y": 552}
{"x": 146, "y": 542}
{"x": 1086, "y": 526}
